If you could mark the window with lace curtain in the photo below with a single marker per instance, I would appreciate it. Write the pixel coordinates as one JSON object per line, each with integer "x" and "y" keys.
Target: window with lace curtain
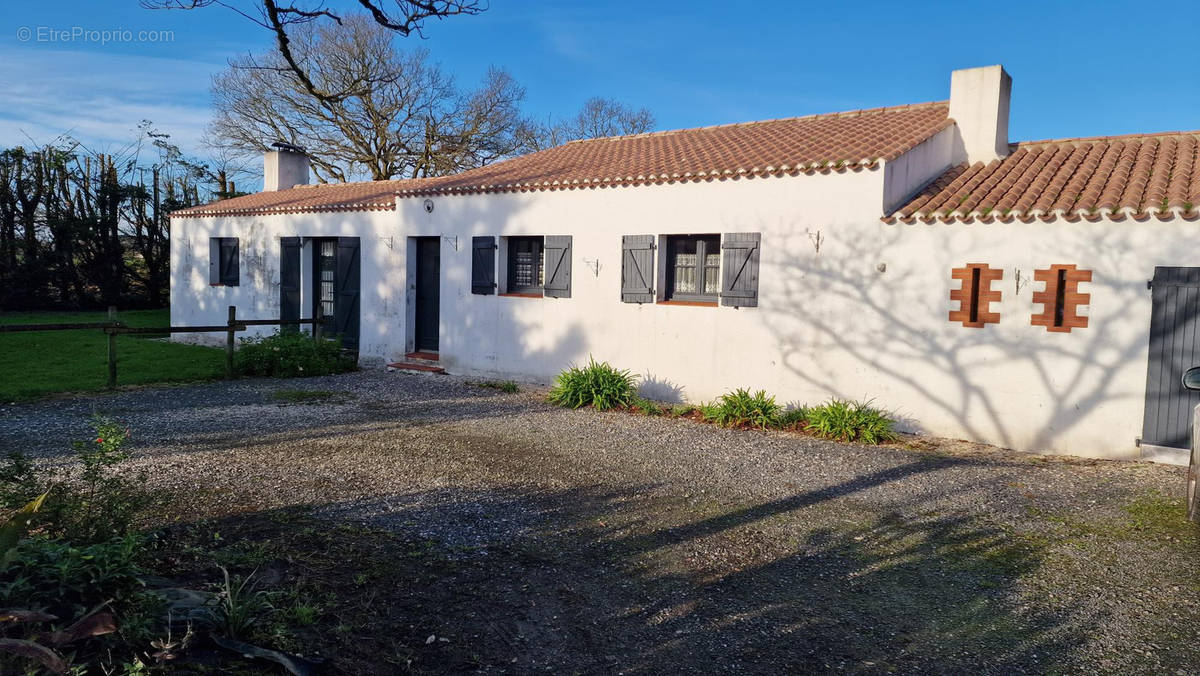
{"x": 693, "y": 268}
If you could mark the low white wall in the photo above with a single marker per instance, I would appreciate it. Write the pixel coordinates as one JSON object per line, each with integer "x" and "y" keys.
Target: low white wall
{"x": 848, "y": 306}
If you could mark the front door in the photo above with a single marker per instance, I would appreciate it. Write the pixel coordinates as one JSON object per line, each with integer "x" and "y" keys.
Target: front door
{"x": 428, "y": 278}
{"x": 1174, "y": 348}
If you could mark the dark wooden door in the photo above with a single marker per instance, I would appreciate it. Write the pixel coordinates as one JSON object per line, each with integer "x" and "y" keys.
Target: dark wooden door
{"x": 427, "y": 293}
{"x": 1174, "y": 348}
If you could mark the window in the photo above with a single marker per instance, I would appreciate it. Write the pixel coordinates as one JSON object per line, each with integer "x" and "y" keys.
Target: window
{"x": 326, "y": 266}
{"x": 693, "y": 268}
{"x": 1060, "y": 298}
{"x": 525, "y": 265}
{"x": 975, "y": 295}
{"x": 536, "y": 266}
{"x": 223, "y": 261}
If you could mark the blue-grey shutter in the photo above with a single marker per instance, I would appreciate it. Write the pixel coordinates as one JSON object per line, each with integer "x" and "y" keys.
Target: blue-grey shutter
{"x": 347, "y": 282}
{"x": 289, "y": 280}
{"x": 483, "y": 265}
{"x": 1174, "y": 348}
{"x": 557, "y": 254}
{"x": 739, "y": 269}
{"x": 228, "y": 266}
{"x": 637, "y": 269}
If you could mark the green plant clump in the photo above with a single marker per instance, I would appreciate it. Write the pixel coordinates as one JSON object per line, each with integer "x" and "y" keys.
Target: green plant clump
{"x": 742, "y": 408}
{"x": 597, "y": 384}
{"x": 647, "y": 407}
{"x": 794, "y": 418}
{"x": 844, "y": 420}
{"x": 290, "y": 355}
{"x": 682, "y": 410}
{"x": 68, "y": 580}
{"x": 239, "y": 607}
{"x": 505, "y": 386}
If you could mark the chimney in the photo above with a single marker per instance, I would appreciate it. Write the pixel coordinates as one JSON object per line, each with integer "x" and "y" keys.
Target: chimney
{"x": 979, "y": 107}
{"x": 284, "y": 167}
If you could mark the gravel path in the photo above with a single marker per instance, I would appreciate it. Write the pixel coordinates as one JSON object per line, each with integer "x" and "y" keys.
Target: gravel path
{"x": 616, "y": 543}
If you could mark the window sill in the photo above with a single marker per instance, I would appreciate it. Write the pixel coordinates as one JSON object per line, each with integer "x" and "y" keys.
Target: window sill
{"x": 520, "y": 295}
{"x": 690, "y": 303}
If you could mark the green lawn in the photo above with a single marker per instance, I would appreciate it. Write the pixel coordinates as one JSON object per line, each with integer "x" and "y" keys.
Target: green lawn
{"x": 42, "y": 362}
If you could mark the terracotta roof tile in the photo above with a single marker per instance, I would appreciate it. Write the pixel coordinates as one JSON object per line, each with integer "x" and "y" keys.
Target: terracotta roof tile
{"x": 365, "y": 196}
{"x": 1136, "y": 176}
{"x": 817, "y": 143}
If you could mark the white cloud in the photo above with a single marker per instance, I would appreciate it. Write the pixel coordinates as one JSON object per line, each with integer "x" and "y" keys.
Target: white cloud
{"x": 101, "y": 97}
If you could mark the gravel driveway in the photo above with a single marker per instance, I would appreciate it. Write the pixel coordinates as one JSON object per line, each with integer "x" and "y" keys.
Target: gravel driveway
{"x": 586, "y": 542}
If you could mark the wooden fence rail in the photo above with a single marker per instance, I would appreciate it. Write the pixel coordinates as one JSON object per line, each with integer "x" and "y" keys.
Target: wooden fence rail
{"x": 114, "y": 328}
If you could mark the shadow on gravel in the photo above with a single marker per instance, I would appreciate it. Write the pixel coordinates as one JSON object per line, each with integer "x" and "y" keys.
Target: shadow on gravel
{"x": 248, "y": 415}
{"x": 598, "y": 581}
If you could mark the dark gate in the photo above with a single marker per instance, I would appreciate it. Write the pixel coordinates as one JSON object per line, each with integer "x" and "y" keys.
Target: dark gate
{"x": 1174, "y": 348}
{"x": 427, "y": 312}
{"x": 289, "y": 280}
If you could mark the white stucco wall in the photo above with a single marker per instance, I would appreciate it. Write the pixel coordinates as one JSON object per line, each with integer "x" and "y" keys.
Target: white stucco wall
{"x": 195, "y": 302}
{"x": 848, "y": 306}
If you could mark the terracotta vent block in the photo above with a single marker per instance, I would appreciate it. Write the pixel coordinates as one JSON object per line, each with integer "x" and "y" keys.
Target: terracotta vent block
{"x": 976, "y": 295}
{"x": 1060, "y": 298}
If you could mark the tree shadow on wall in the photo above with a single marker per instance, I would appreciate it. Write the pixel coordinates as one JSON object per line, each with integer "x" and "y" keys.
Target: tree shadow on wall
{"x": 869, "y": 316}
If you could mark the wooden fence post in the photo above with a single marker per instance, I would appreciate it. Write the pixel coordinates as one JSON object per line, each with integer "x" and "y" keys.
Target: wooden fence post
{"x": 112, "y": 349}
{"x": 1193, "y": 476}
{"x": 230, "y": 341}
{"x": 319, "y": 316}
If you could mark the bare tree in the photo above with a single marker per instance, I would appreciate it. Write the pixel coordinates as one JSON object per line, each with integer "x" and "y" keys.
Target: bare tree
{"x": 598, "y": 118}
{"x": 404, "y": 17}
{"x": 400, "y": 115}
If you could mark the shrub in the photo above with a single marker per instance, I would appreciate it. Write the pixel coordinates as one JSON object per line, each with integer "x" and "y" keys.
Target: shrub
{"x": 290, "y": 355}
{"x": 69, "y": 580}
{"x": 850, "y": 421}
{"x": 597, "y": 384}
{"x": 742, "y": 408}
{"x": 89, "y": 506}
{"x": 79, "y": 571}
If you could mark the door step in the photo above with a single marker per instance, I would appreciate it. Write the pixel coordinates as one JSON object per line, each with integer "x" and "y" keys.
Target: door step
{"x": 421, "y": 356}
{"x": 415, "y": 367}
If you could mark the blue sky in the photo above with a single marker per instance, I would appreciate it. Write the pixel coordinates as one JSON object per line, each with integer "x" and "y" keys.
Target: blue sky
{"x": 1079, "y": 69}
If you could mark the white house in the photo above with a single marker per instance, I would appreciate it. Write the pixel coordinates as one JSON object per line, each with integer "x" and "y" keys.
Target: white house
{"x": 1037, "y": 295}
